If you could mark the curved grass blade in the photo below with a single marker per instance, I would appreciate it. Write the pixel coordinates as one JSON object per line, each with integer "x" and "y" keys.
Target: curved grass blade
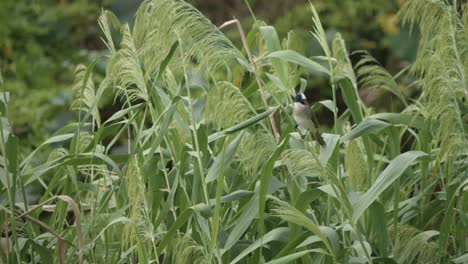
{"x": 276, "y": 234}
{"x": 327, "y": 150}
{"x": 393, "y": 171}
{"x": 265, "y": 178}
{"x": 273, "y": 44}
{"x": 366, "y": 127}
{"x": 234, "y": 196}
{"x": 249, "y": 211}
{"x": 294, "y": 57}
{"x": 400, "y": 118}
{"x": 290, "y": 258}
{"x": 291, "y": 214}
{"x": 55, "y": 139}
{"x": 215, "y": 169}
{"x": 241, "y": 125}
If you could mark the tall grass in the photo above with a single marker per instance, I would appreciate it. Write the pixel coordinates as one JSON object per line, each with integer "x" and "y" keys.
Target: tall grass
{"x": 205, "y": 175}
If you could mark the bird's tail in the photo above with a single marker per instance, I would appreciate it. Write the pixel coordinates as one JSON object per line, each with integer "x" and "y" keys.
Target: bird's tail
{"x": 319, "y": 138}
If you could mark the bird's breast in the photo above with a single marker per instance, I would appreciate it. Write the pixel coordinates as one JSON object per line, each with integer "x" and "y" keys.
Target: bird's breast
{"x": 302, "y": 116}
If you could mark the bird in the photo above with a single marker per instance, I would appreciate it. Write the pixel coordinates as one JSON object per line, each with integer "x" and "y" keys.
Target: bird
{"x": 303, "y": 116}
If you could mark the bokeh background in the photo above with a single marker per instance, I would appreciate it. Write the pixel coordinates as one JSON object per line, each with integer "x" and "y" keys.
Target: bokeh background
{"x": 42, "y": 41}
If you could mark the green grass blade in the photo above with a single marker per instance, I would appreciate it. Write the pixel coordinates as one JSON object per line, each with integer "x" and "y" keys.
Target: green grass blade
{"x": 243, "y": 222}
{"x": 401, "y": 119}
{"x": 368, "y": 126}
{"x": 294, "y": 57}
{"x": 291, "y": 214}
{"x": 215, "y": 169}
{"x": 55, "y": 139}
{"x": 451, "y": 192}
{"x": 167, "y": 59}
{"x": 273, "y": 44}
{"x": 121, "y": 113}
{"x": 276, "y": 234}
{"x": 350, "y": 99}
{"x": 289, "y": 258}
{"x": 183, "y": 217}
{"x": 462, "y": 259}
{"x": 241, "y": 125}
{"x": 265, "y": 178}
{"x": 326, "y": 151}
{"x": 393, "y": 171}
{"x": 234, "y": 196}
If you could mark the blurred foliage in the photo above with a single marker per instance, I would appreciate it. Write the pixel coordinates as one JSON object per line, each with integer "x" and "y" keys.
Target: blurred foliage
{"x": 371, "y": 25}
{"x": 40, "y": 44}
{"x": 203, "y": 178}
{"x": 352, "y": 18}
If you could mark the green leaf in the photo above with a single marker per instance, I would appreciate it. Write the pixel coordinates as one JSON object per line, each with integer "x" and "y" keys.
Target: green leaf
{"x": 183, "y": 217}
{"x": 167, "y": 59}
{"x": 4, "y": 96}
{"x": 220, "y": 174}
{"x": 379, "y": 226}
{"x": 366, "y": 127}
{"x": 169, "y": 202}
{"x": 351, "y": 99}
{"x": 360, "y": 250}
{"x": 273, "y": 44}
{"x": 294, "y": 57}
{"x": 292, "y": 244}
{"x": 461, "y": 259}
{"x": 215, "y": 168}
{"x": 290, "y": 258}
{"x": 75, "y": 160}
{"x": 245, "y": 65}
{"x": 249, "y": 211}
{"x": 92, "y": 158}
{"x": 393, "y": 171}
{"x": 123, "y": 112}
{"x": 55, "y": 139}
{"x": 241, "y": 125}
{"x": 43, "y": 251}
{"x": 399, "y": 118}
{"x": 234, "y": 196}
{"x": 450, "y": 197}
{"x": 305, "y": 198}
{"x": 326, "y": 151}
{"x": 276, "y": 81}
{"x": 327, "y": 103}
{"x": 276, "y": 234}
{"x": 164, "y": 127}
{"x": 118, "y": 220}
{"x": 327, "y": 235}
{"x": 11, "y": 154}
{"x": 384, "y": 260}
{"x": 265, "y": 178}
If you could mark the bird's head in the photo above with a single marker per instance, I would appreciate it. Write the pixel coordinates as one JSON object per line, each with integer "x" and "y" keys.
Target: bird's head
{"x": 300, "y": 98}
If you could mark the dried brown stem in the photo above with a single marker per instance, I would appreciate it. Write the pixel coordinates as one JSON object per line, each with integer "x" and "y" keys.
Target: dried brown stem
{"x": 77, "y": 214}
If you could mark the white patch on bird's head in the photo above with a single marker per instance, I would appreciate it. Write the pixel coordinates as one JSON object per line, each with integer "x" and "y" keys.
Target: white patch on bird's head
{"x": 300, "y": 98}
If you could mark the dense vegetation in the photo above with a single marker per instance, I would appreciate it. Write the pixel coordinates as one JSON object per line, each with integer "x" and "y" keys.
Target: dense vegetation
{"x": 211, "y": 169}
{"x": 41, "y": 42}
